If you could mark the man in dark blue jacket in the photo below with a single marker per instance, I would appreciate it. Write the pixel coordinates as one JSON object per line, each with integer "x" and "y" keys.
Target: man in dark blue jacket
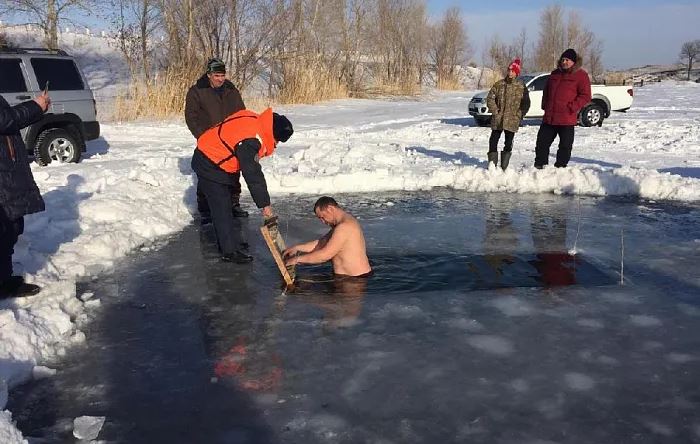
{"x": 19, "y": 194}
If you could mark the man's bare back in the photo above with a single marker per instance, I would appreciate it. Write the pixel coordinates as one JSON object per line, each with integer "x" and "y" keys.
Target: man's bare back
{"x": 343, "y": 245}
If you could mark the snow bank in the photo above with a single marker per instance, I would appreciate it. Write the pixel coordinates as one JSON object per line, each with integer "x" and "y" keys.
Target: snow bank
{"x": 328, "y": 169}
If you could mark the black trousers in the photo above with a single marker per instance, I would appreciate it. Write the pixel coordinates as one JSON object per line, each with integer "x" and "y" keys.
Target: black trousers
{"x": 545, "y": 137}
{"x": 227, "y": 227}
{"x": 496, "y": 135}
{"x": 203, "y": 204}
{"x": 9, "y": 233}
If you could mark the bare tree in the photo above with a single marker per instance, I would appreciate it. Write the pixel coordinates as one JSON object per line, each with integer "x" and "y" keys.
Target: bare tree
{"x": 551, "y": 38}
{"x": 135, "y": 22}
{"x": 449, "y": 48}
{"x": 353, "y": 25}
{"x": 47, "y": 14}
{"x": 557, "y": 33}
{"x": 594, "y": 60}
{"x": 300, "y": 50}
{"x": 519, "y": 47}
{"x": 484, "y": 61}
{"x": 396, "y": 42}
{"x": 500, "y": 55}
{"x": 690, "y": 51}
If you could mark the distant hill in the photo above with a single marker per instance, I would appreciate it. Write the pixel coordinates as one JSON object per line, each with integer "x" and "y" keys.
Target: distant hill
{"x": 658, "y": 72}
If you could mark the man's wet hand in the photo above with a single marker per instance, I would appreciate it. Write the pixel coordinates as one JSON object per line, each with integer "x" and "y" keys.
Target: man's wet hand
{"x": 291, "y": 261}
{"x": 291, "y": 251}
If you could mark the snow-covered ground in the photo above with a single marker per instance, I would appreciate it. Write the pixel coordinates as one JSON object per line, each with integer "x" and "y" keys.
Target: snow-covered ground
{"x": 135, "y": 185}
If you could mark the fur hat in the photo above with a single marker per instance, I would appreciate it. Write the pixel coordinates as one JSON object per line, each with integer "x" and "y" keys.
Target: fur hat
{"x": 515, "y": 66}
{"x": 282, "y": 128}
{"x": 216, "y": 65}
{"x": 569, "y": 54}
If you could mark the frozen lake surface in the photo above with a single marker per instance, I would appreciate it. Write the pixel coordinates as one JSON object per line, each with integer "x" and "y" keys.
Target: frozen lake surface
{"x": 494, "y": 318}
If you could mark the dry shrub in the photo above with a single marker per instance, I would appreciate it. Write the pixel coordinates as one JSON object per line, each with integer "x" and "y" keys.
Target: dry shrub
{"x": 615, "y": 78}
{"x": 310, "y": 83}
{"x": 490, "y": 78}
{"x": 449, "y": 84}
{"x": 258, "y": 104}
{"x": 161, "y": 97}
{"x": 164, "y": 97}
{"x": 381, "y": 87}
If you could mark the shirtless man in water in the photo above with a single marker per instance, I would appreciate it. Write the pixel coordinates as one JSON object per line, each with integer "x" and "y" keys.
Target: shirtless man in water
{"x": 344, "y": 244}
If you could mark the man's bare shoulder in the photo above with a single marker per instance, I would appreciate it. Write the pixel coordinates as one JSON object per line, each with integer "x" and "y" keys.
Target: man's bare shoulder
{"x": 350, "y": 223}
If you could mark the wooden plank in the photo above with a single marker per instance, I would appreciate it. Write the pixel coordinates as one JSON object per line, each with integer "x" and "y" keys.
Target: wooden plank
{"x": 276, "y": 244}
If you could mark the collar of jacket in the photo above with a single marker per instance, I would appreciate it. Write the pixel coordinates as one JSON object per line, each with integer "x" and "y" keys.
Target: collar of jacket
{"x": 203, "y": 83}
{"x": 571, "y": 70}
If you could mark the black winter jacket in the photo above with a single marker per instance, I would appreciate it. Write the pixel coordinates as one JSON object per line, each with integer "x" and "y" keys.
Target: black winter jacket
{"x": 19, "y": 194}
{"x": 247, "y": 153}
{"x": 204, "y": 107}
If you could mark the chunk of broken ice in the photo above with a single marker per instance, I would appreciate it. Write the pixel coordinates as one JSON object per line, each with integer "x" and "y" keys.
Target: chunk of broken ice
{"x": 88, "y": 427}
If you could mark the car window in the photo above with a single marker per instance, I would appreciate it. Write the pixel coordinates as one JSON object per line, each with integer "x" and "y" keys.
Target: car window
{"x": 11, "y": 78}
{"x": 62, "y": 74}
{"x": 539, "y": 83}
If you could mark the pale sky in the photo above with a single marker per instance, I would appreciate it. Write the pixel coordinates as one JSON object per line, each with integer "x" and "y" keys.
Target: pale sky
{"x": 634, "y": 32}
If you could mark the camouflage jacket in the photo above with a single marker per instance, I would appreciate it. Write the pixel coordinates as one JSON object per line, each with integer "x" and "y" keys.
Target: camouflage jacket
{"x": 508, "y": 102}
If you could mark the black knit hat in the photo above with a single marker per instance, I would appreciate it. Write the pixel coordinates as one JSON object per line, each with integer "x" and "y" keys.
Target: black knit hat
{"x": 281, "y": 128}
{"x": 569, "y": 54}
{"x": 216, "y": 65}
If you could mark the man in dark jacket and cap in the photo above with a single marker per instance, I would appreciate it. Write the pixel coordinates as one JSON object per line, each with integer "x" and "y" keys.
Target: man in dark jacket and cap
{"x": 208, "y": 103}
{"x": 19, "y": 194}
{"x": 568, "y": 90}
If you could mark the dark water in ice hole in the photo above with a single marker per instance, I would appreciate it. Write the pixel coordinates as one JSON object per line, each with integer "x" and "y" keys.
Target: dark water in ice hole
{"x": 478, "y": 326}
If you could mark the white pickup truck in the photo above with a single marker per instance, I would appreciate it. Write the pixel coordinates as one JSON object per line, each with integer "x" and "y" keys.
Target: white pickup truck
{"x": 605, "y": 100}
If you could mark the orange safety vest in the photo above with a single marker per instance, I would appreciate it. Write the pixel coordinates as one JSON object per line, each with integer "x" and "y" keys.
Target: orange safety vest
{"x": 219, "y": 143}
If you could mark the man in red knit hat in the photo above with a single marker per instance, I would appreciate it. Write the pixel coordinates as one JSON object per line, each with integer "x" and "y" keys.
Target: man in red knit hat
{"x": 508, "y": 102}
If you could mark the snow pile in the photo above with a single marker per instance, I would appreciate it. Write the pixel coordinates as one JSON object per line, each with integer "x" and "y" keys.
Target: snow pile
{"x": 396, "y": 168}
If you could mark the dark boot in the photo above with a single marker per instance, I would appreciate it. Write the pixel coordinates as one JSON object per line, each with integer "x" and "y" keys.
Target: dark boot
{"x": 505, "y": 159}
{"x": 236, "y": 205}
{"x": 203, "y": 207}
{"x": 493, "y": 157}
{"x": 238, "y": 257}
{"x": 204, "y": 218}
{"x": 15, "y": 287}
{"x": 239, "y": 212}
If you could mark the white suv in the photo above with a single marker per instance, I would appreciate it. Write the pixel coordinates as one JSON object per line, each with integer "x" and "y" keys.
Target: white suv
{"x": 605, "y": 100}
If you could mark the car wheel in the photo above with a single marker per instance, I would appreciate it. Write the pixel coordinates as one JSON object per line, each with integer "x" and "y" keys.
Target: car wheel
{"x": 592, "y": 115}
{"x": 56, "y": 145}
